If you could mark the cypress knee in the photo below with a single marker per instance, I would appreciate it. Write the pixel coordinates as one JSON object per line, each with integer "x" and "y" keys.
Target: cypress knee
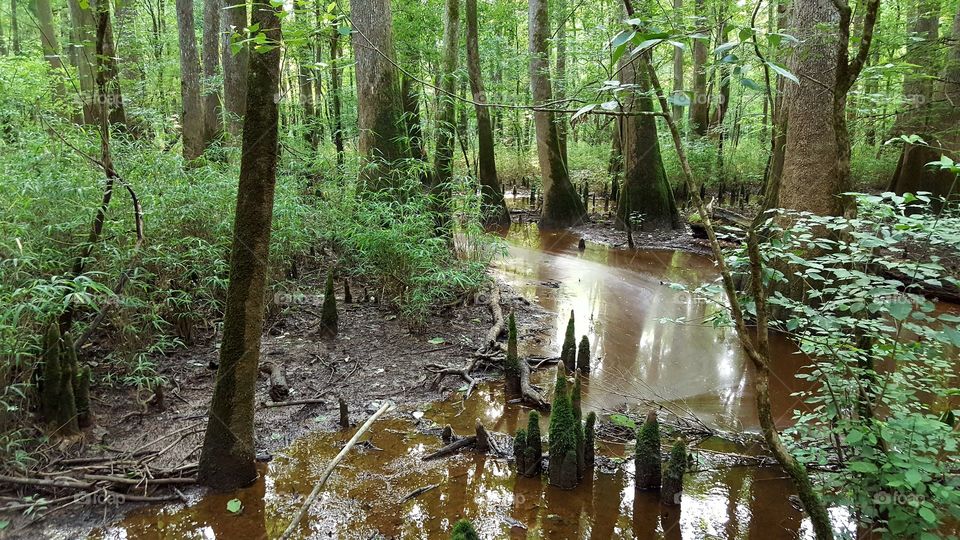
{"x": 511, "y": 367}
{"x": 328, "y": 314}
{"x": 49, "y": 395}
{"x": 647, "y": 454}
{"x": 563, "y": 435}
{"x": 534, "y": 451}
{"x": 347, "y": 296}
{"x": 568, "y": 353}
{"x": 575, "y": 400}
{"x": 82, "y": 394}
{"x": 589, "y": 439}
{"x": 464, "y": 530}
{"x": 520, "y": 451}
{"x": 672, "y": 487}
{"x": 583, "y": 355}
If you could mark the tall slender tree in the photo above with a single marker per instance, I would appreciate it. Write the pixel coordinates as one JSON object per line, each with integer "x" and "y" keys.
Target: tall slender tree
{"x": 446, "y": 98}
{"x": 336, "y": 119}
{"x": 227, "y": 459}
{"x": 49, "y": 43}
{"x": 210, "y": 89}
{"x": 494, "y": 208}
{"x": 235, "y": 58}
{"x": 562, "y": 206}
{"x": 191, "y": 116}
{"x": 700, "y": 104}
{"x": 677, "y": 63}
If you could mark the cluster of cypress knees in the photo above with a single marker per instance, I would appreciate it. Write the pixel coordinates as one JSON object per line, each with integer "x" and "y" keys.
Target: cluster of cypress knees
{"x": 64, "y": 386}
{"x": 572, "y": 439}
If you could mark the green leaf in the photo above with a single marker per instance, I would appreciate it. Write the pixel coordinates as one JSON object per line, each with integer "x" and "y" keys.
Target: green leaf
{"x": 344, "y": 30}
{"x": 436, "y": 341}
{"x": 751, "y": 84}
{"x": 900, "y": 310}
{"x": 783, "y": 72}
{"x": 4, "y": 524}
{"x": 913, "y": 476}
{"x": 863, "y": 467}
{"x": 724, "y": 48}
{"x": 234, "y": 506}
{"x": 622, "y": 421}
{"x": 927, "y": 515}
{"x": 582, "y": 111}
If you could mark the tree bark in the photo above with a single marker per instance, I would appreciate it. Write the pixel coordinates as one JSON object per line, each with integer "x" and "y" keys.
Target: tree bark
{"x": 83, "y": 37}
{"x": 700, "y": 104}
{"x": 677, "y": 63}
{"x": 810, "y": 178}
{"x": 14, "y": 28}
{"x": 379, "y": 107}
{"x": 191, "y": 116}
{"x": 446, "y": 106}
{"x": 562, "y": 206}
{"x": 561, "y": 77}
{"x": 645, "y": 189}
{"x": 494, "y": 208}
{"x": 336, "y": 128}
{"x": 212, "y": 124}
{"x": 49, "y": 44}
{"x": 233, "y": 21}
{"x": 227, "y": 458}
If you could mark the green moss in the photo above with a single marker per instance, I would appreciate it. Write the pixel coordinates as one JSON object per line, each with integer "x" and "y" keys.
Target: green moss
{"x": 66, "y": 417}
{"x": 694, "y": 218}
{"x": 81, "y": 390}
{"x": 328, "y": 315}
{"x": 534, "y": 452}
{"x": 520, "y": 450}
{"x": 568, "y": 353}
{"x": 583, "y": 355}
{"x": 673, "y": 474}
{"x": 589, "y": 438}
{"x": 563, "y": 427}
{"x": 464, "y": 530}
{"x": 647, "y": 454}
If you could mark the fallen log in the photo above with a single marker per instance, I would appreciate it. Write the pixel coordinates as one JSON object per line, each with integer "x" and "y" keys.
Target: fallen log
{"x": 496, "y": 330}
{"x": 480, "y": 440}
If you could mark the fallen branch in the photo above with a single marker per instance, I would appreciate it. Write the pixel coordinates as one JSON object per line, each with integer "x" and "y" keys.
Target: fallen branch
{"x": 481, "y": 440}
{"x": 329, "y": 470}
{"x": 278, "y": 382}
{"x": 313, "y": 401}
{"x": 419, "y": 491}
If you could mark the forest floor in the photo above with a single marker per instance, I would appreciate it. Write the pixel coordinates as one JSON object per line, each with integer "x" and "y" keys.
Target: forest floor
{"x": 375, "y": 357}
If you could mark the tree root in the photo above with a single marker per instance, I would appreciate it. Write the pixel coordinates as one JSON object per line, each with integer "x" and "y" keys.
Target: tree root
{"x": 480, "y": 440}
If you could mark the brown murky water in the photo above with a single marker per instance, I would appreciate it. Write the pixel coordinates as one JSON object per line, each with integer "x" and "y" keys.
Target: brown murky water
{"x": 619, "y": 299}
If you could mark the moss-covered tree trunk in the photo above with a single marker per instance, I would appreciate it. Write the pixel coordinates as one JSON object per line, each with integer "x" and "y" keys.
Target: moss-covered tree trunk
{"x": 212, "y": 111}
{"x": 440, "y": 186}
{"x": 646, "y": 190}
{"x": 191, "y": 111}
{"x": 700, "y": 102}
{"x": 562, "y": 206}
{"x": 379, "y": 108}
{"x": 227, "y": 458}
{"x": 235, "y": 65}
{"x": 336, "y": 117}
{"x": 49, "y": 43}
{"x": 495, "y": 211}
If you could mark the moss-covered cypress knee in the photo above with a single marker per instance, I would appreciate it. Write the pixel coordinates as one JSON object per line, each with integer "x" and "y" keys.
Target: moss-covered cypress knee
{"x": 464, "y": 530}
{"x": 589, "y": 439}
{"x": 511, "y": 367}
{"x": 534, "y": 451}
{"x": 583, "y": 355}
{"x": 575, "y": 402}
{"x": 347, "y": 295}
{"x": 50, "y": 383}
{"x": 66, "y": 418}
{"x": 563, "y": 435}
{"x": 568, "y": 354}
{"x": 672, "y": 487}
{"x": 81, "y": 390}
{"x": 520, "y": 450}
{"x": 647, "y": 454}
{"x": 328, "y": 315}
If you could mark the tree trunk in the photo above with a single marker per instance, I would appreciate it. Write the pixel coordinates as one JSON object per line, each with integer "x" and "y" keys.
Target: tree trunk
{"x": 336, "y": 129}
{"x": 810, "y": 179}
{"x": 212, "y": 125}
{"x": 83, "y": 37}
{"x": 379, "y": 107}
{"x": 227, "y": 458}
{"x": 495, "y": 211}
{"x": 191, "y": 118}
{"x": 645, "y": 189}
{"x": 446, "y": 106}
{"x": 561, "y": 77}
{"x": 562, "y": 206}
{"x": 677, "y": 63}
{"x": 305, "y": 82}
{"x": 233, "y": 21}
{"x": 108, "y": 65}
{"x": 49, "y": 44}
{"x": 700, "y": 104}
{"x": 411, "y": 115}
{"x": 14, "y": 28}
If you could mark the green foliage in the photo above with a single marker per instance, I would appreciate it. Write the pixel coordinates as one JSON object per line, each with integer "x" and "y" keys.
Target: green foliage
{"x": 883, "y": 356}
{"x": 463, "y": 530}
{"x": 328, "y": 313}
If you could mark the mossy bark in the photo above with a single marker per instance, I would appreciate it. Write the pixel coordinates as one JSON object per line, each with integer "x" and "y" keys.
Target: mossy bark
{"x": 561, "y": 205}
{"x": 568, "y": 353}
{"x": 227, "y": 459}
{"x": 520, "y": 451}
{"x": 66, "y": 417}
{"x": 583, "y": 355}
{"x": 672, "y": 487}
{"x": 446, "y": 117}
{"x": 589, "y": 439}
{"x": 464, "y": 530}
{"x": 50, "y": 383}
{"x": 647, "y": 454}
{"x": 511, "y": 368}
{"x": 563, "y": 435}
{"x": 81, "y": 390}
{"x": 534, "y": 452}
{"x": 576, "y": 403}
{"x": 329, "y": 320}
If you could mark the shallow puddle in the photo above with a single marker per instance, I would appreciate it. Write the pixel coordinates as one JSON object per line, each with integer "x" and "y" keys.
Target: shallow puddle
{"x": 620, "y": 298}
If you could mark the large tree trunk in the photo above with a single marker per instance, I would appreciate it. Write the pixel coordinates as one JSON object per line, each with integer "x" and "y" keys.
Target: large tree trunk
{"x": 49, "y": 44}
{"x": 810, "y": 180}
{"x": 191, "y": 117}
{"x": 562, "y": 206}
{"x": 212, "y": 125}
{"x": 677, "y": 110}
{"x": 234, "y": 20}
{"x": 82, "y": 36}
{"x": 305, "y": 82}
{"x": 495, "y": 211}
{"x": 108, "y": 65}
{"x": 700, "y": 104}
{"x": 379, "y": 107}
{"x": 336, "y": 128}
{"x": 227, "y": 460}
{"x": 411, "y": 116}
{"x": 560, "y": 86}
{"x": 645, "y": 190}
{"x": 446, "y": 102}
